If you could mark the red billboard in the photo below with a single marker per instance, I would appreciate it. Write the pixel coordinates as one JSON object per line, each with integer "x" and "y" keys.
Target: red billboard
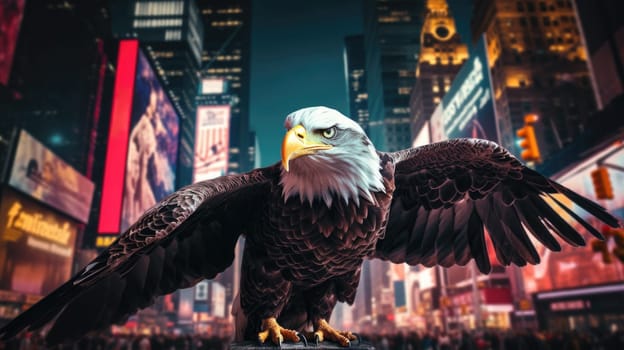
{"x": 36, "y": 246}
{"x": 212, "y": 137}
{"x": 43, "y": 175}
{"x": 11, "y": 12}
{"x": 580, "y": 266}
{"x": 143, "y": 143}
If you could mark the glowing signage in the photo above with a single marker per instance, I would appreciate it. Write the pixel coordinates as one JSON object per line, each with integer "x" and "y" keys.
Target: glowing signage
{"x": 36, "y": 245}
{"x": 36, "y": 224}
{"x": 114, "y": 171}
{"x": 41, "y": 174}
{"x": 212, "y": 137}
{"x": 212, "y": 86}
{"x": 11, "y": 13}
{"x": 152, "y": 152}
{"x": 467, "y": 110}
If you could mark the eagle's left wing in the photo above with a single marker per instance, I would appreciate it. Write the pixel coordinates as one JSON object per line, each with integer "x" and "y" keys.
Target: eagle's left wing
{"x": 188, "y": 236}
{"x": 447, "y": 192}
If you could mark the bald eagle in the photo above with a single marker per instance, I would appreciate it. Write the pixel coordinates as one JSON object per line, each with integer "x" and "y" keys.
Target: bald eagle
{"x": 309, "y": 222}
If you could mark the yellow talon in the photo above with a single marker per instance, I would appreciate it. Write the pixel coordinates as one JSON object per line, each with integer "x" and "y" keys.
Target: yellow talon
{"x": 270, "y": 328}
{"x": 325, "y": 331}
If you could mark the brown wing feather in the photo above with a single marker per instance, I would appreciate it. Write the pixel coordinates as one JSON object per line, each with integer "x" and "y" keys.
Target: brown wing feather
{"x": 448, "y": 192}
{"x": 187, "y": 237}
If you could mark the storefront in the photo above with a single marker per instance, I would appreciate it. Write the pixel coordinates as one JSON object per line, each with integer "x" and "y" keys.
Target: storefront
{"x": 597, "y": 307}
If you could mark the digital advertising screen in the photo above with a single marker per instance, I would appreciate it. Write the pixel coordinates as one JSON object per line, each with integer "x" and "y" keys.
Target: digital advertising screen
{"x": 36, "y": 245}
{"x": 468, "y": 108}
{"x": 212, "y": 135}
{"x": 43, "y": 175}
{"x": 141, "y": 158}
{"x": 580, "y": 266}
{"x": 11, "y": 13}
{"x": 152, "y": 146}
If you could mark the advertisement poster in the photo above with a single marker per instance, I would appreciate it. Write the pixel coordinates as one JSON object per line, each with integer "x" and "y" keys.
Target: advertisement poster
{"x": 36, "y": 246}
{"x": 212, "y": 136}
{"x": 42, "y": 175}
{"x": 152, "y": 146}
{"x": 467, "y": 110}
{"x": 11, "y": 12}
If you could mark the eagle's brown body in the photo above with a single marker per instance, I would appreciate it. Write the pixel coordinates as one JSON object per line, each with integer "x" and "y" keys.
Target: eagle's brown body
{"x": 308, "y": 256}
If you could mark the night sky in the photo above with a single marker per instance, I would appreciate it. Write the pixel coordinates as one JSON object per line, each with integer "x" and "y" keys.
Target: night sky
{"x": 297, "y": 60}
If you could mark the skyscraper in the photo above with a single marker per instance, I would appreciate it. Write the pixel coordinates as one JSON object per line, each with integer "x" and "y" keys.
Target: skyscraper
{"x": 538, "y": 65}
{"x": 226, "y": 55}
{"x": 392, "y": 45}
{"x": 442, "y": 54}
{"x": 355, "y": 72}
{"x": 172, "y": 35}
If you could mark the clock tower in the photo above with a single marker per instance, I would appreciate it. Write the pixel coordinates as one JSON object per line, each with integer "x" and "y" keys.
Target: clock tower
{"x": 442, "y": 54}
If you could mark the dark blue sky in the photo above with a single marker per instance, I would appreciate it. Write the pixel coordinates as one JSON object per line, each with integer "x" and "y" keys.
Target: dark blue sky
{"x": 297, "y": 60}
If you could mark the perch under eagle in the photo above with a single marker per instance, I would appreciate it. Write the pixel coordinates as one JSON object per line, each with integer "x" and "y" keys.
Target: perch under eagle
{"x": 309, "y": 222}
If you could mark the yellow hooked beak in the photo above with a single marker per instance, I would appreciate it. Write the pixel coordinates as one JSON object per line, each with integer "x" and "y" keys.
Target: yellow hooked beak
{"x": 297, "y": 143}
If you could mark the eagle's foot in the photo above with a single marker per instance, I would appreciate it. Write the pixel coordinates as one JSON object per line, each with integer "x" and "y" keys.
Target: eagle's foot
{"x": 325, "y": 332}
{"x": 271, "y": 329}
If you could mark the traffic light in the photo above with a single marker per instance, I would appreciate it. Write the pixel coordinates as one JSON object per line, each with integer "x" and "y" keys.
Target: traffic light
{"x": 528, "y": 142}
{"x": 602, "y": 183}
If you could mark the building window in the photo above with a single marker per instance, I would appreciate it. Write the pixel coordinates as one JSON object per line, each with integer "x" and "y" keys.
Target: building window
{"x": 405, "y": 90}
{"x": 158, "y": 8}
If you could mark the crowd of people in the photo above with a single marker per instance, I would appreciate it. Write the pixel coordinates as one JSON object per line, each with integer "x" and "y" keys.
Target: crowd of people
{"x": 494, "y": 340}
{"x": 488, "y": 340}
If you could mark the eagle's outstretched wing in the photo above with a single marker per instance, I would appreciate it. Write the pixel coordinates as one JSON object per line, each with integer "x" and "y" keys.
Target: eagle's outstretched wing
{"x": 187, "y": 237}
{"x": 447, "y": 192}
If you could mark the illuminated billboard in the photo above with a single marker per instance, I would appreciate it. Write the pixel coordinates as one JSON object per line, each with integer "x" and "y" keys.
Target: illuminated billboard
{"x": 42, "y": 175}
{"x": 142, "y": 145}
{"x": 11, "y": 12}
{"x": 212, "y": 86}
{"x": 212, "y": 134}
{"x": 468, "y": 108}
{"x": 580, "y": 266}
{"x": 36, "y": 245}
{"x": 152, "y": 146}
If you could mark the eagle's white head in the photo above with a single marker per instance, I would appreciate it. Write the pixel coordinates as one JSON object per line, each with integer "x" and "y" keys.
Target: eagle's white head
{"x": 328, "y": 156}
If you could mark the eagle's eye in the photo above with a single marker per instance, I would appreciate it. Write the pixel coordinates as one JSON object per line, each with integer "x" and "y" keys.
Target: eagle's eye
{"x": 329, "y": 133}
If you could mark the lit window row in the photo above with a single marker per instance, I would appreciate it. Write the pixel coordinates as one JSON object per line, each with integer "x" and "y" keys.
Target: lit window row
{"x": 226, "y": 23}
{"x": 163, "y": 54}
{"x": 404, "y": 90}
{"x": 230, "y": 10}
{"x": 173, "y": 35}
{"x": 399, "y": 110}
{"x": 393, "y": 19}
{"x": 157, "y": 23}
{"x": 158, "y": 8}
{"x": 224, "y": 70}
{"x": 174, "y": 73}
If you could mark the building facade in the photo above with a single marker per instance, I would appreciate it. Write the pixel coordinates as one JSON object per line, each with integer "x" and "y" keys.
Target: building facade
{"x": 172, "y": 35}
{"x": 226, "y": 56}
{"x": 442, "y": 54}
{"x": 538, "y": 64}
{"x": 355, "y": 71}
{"x": 392, "y": 47}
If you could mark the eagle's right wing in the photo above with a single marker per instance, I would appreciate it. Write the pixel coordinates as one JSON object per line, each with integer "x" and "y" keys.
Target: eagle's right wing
{"x": 187, "y": 237}
{"x": 447, "y": 193}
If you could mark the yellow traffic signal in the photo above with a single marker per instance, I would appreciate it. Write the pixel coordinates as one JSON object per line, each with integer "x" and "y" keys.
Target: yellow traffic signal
{"x": 530, "y": 148}
{"x": 602, "y": 183}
